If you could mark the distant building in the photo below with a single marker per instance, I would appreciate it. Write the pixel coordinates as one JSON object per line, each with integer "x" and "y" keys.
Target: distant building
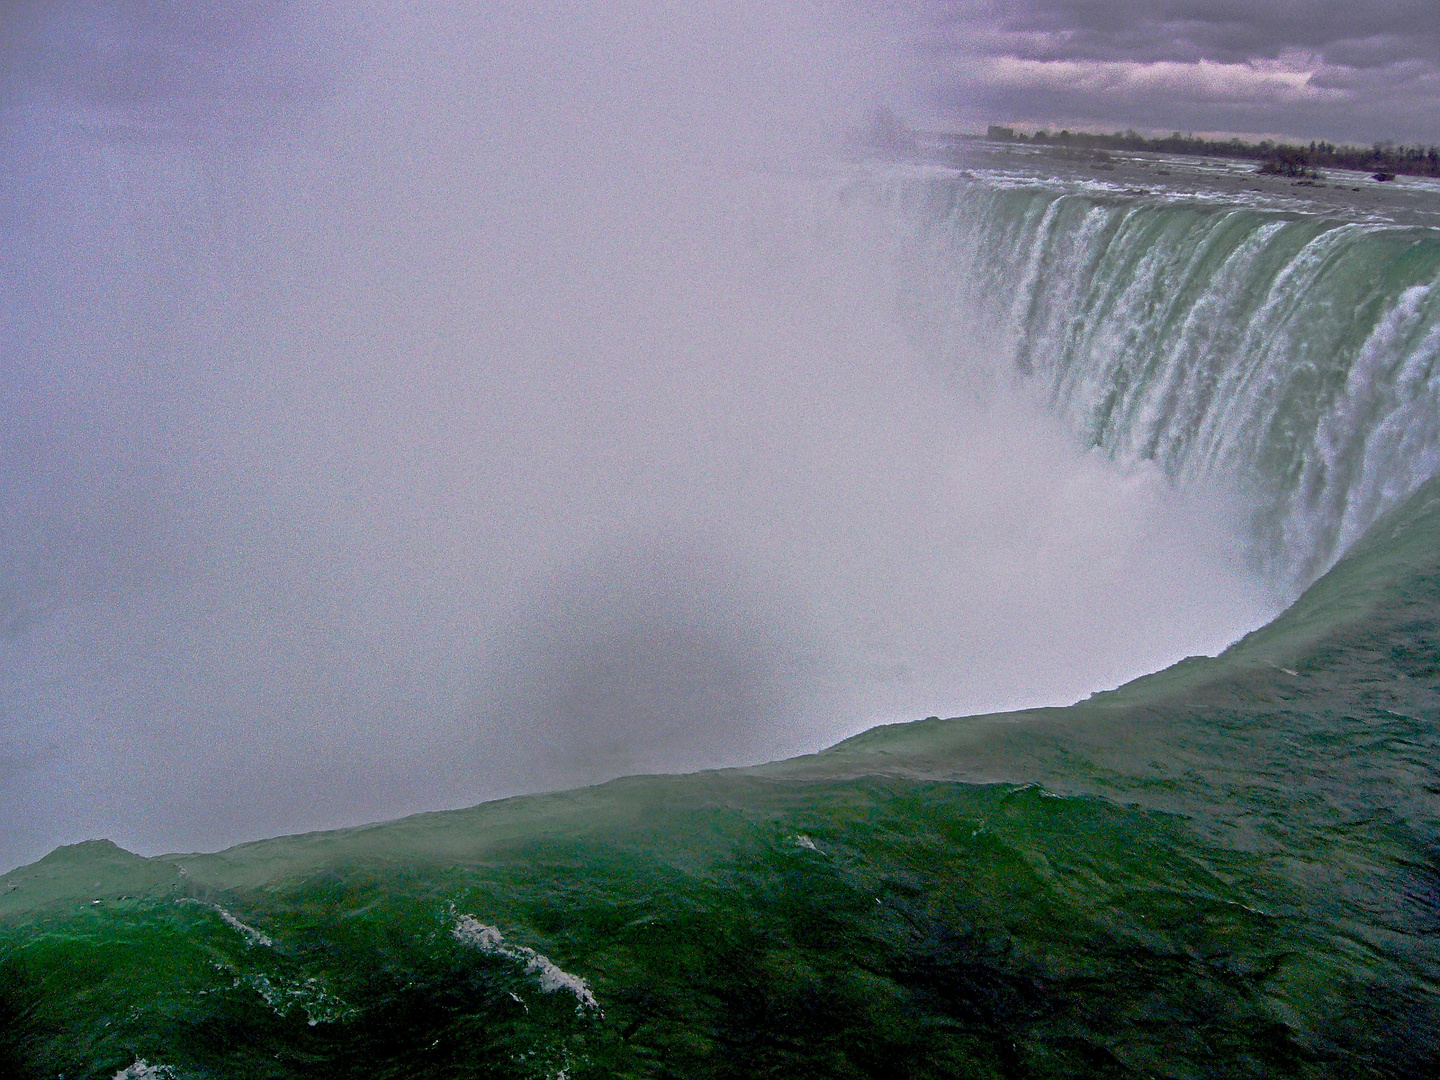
{"x": 995, "y": 131}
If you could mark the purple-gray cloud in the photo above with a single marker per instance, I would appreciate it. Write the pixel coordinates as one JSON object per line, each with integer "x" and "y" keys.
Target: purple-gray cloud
{"x": 1304, "y": 68}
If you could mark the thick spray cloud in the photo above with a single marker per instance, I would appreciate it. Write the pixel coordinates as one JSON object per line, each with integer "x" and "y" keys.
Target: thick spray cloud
{"x": 409, "y": 408}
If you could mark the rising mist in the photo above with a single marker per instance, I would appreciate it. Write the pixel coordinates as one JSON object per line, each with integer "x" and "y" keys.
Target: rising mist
{"x": 404, "y": 409}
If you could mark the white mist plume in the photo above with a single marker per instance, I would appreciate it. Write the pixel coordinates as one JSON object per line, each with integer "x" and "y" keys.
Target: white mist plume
{"x": 415, "y": 407}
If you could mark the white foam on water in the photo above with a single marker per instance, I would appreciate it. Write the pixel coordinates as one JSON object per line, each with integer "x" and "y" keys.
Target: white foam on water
{"x": 143, "y": 1070}
{"x": 252, "y": 936}
{"x": 469, "y": 930}
{"x": 320, "y": 1006}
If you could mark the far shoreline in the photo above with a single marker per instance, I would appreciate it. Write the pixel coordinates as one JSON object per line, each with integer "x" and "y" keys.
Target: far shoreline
{"x": 1345, "y": 194}
{"x": 1278, "y": 157}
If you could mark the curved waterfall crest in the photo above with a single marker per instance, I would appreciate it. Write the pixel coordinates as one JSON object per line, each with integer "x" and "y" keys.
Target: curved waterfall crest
{"x": 1294, "y": 355}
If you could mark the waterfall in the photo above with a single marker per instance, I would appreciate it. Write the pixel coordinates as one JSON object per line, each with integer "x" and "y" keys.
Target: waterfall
{"x": 1294, "y": 355}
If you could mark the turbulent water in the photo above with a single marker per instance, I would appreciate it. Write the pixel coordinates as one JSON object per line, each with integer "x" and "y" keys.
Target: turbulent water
{"x": 1229, "y": 868}
{"x": 1236, "y": 340}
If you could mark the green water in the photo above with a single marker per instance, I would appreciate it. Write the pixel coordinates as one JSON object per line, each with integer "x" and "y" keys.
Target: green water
{"x": 1230, "y": 868}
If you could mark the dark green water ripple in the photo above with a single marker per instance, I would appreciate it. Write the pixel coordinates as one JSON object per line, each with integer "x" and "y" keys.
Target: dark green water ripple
{"x": 1227, "y": 869}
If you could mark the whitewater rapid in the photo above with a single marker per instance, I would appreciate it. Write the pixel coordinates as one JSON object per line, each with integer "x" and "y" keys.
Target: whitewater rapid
{"x": 1237, "y": 340}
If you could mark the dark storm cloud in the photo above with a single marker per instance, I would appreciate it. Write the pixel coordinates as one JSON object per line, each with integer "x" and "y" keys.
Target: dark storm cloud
{"x": 1306, "y": 67}
{"x": 1225, "y": 31}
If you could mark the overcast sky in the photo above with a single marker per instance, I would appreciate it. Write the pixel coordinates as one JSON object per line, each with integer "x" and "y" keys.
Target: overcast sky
{"x": 1362, "y": 72}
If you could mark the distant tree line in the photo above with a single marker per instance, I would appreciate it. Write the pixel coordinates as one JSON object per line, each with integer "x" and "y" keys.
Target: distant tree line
{"x": 1287, "y": 159}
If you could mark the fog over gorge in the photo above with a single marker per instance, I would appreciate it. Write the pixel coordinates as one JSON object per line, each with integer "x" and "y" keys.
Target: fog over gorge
{"x": 408, "y": 408}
